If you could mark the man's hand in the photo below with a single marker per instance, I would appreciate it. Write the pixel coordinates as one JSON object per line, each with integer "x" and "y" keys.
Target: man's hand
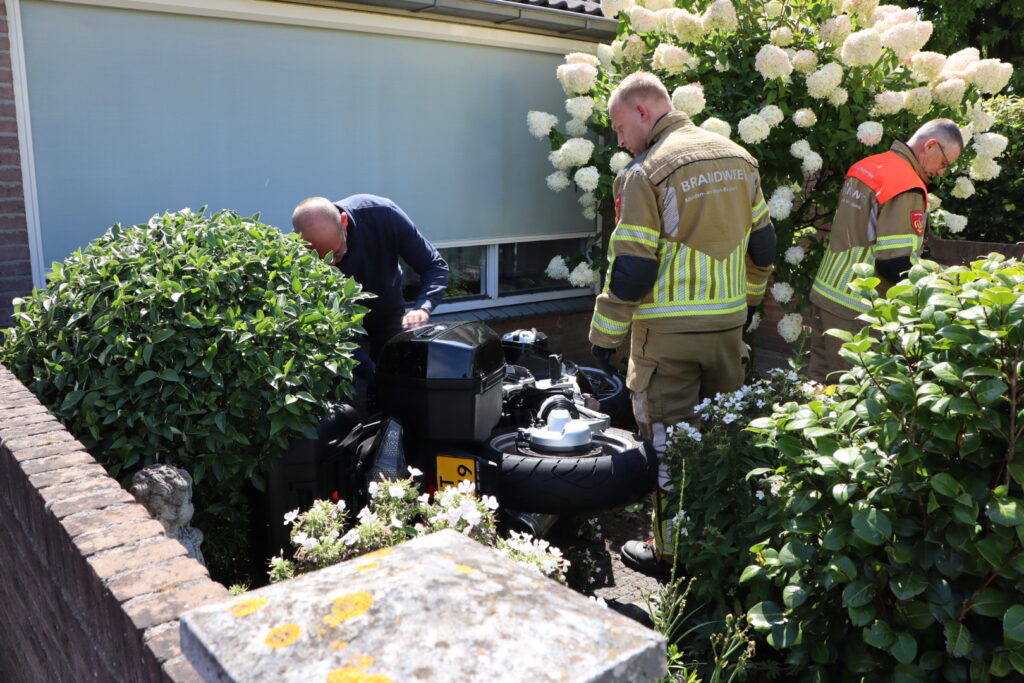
{"x": 417, "y": 317}
{"x": 604, "y": 357}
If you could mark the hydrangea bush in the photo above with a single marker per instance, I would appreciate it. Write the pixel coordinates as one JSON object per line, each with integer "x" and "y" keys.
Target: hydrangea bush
{"x": 808, "y": 87}
{"x": 397, "y": 512}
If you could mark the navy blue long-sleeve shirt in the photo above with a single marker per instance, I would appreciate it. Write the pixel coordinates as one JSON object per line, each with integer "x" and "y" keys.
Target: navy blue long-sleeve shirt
{"x": 379, "y": 232}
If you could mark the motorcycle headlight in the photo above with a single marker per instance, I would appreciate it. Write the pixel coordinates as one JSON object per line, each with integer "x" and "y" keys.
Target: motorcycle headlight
{"x": 389, "y": 455}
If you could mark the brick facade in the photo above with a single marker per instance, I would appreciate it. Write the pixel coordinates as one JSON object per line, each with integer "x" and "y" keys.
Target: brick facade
{"x": 15, "y": 267}
{"x": 91, "y": 587}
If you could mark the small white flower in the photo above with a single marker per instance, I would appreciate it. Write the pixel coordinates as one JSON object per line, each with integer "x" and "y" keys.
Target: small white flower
{"x": 290, "y": 517}
{"x": 466, "y": 488}
{"x": 413, "y": 472}
{"x": 755, "y": 321}
{"x": 540, "y": 123}
{"x": 587, "y": 178}
{"x": 782, "y": 292}
{"x": 396, "y": 522}
{"x": 557, "y": 269}
{"x": 804, "y": 118}
{"x": 772, "y": 115}
{"x": 794, "y": 255}
{"x": 557, "y": 181}
{"x": 791, "y": 327}
{"x": 759, "y": 495}
{"x": 619, "y": 161}
{"x": 716, "y": 125}
{"x": 490, "y": 502}
{"x": 728, "y": 418}
{"x": 396, "y": 491}
{"x": 870, "y": 133}
{"x": 597, "y": 600}
{"x": 374, "y": 488}
{"x": 963, "y": 188}
{"x": 800, "y": 148}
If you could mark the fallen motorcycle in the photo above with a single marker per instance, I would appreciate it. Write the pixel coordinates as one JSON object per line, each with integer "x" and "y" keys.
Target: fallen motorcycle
{"x": 452, "y": 407}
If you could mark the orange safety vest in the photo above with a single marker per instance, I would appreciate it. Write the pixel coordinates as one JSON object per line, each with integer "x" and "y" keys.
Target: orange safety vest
{"x": 887, "y": 174}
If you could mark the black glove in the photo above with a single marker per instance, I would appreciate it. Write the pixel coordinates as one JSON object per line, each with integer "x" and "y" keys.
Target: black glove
{"x": 603, "y": 356}
{"x": 750, "y": 317}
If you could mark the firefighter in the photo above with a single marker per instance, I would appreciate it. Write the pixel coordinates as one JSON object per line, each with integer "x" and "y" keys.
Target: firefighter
{"x": 690, "y": 255}
{"x": 881, "y": 220}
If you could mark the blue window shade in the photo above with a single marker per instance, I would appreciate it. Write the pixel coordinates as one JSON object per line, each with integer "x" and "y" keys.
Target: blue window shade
{"x": 134, "y": 113}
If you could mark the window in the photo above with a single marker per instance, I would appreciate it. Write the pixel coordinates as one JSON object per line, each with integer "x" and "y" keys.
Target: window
{"x": 485, "y": 275}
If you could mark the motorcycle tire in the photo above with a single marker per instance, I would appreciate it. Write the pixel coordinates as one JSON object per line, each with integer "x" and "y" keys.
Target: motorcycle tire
{"x": 620, "y": 469}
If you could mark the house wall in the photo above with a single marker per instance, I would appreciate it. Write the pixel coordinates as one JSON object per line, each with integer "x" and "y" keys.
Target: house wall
{"x": 91, "y": 587}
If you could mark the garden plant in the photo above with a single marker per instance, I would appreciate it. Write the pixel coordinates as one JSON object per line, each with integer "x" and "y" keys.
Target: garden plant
{"x": 807, "y": 86}
{"x": 203, "y": 342}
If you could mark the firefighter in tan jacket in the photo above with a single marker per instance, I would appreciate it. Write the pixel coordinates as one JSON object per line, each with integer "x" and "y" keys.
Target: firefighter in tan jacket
{"x": 881, "y": 220}
{"x": 689, "y": 258}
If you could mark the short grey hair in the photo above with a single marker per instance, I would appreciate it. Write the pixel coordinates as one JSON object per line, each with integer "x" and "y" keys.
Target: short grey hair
{"x": 639, "y": 85}
{"x": 943, "y": 130}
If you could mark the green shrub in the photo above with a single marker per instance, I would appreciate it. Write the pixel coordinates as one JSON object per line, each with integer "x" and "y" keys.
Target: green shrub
{"x": 202, "y": 342}
{"x": 899, "y": 553}
{"x": 993, "y": 212}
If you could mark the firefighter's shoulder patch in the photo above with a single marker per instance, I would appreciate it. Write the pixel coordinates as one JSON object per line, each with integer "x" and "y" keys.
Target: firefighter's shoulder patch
{"x": 917, "y": 221}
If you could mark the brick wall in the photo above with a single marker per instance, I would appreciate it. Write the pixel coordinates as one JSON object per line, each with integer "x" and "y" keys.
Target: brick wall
{"x": 15, "y": 269}
{"x": 90, "y": 586}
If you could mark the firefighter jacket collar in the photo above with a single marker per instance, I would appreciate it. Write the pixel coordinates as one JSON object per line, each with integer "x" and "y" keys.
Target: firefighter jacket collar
{"x": 907, "y": 155}
{"x": 666, "y": 124}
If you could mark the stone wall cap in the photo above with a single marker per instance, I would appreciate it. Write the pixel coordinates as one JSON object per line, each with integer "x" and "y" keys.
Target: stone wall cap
{"x": 439, "y": 607}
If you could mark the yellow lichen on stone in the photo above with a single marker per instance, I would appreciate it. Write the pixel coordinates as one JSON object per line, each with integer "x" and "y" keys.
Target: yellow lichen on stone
{"x": 339, "y": 645}
{"x": 364, "y": 567}
{"x": 348, "y": 607}
{"x": 355, "y": 672}
{"x": 463, "y": 568}
{"x": 244, "y": 608}
{"x": 380, "y": 552}
{"x": 283, "y": 635}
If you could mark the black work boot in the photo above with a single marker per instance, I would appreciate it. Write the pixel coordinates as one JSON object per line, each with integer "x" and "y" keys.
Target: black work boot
{"x": 641, "y": 556}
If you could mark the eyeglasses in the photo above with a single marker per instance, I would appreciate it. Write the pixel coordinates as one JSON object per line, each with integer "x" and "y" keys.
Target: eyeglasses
{"x": 945, "y": 160}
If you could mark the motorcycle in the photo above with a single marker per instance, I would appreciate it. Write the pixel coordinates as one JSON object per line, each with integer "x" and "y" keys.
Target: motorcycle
{"x": 452, "y": 406}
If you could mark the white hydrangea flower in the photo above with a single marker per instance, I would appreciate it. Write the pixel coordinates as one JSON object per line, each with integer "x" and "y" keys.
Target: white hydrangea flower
{"x": 582, "y": 58}
{"x": 822, "y": 82}
{"x": 589, "y": 212}
{"x": 967, "y": 132}
{"x": 558, "y": 159}
{"x": 557, "y": 181}
{"x": 886, "y": 16}
{"x": 984, "y": 168}
{"x": 689, "y": 99}
{"x": 990, "y": 144}
{"x": 957, "y": 63}
{"x": 580, "y": 107}
{"x": 721, "y": 15}
{"x": 606, "y": 54}
{"x": 658, "y": 5}
{"x": 666, "y": 16}
{"x": 918, "y": 100}
{"x": 926, "y": 66}
{"x": 540, "y": 123}
{"x": 800, "y": 148}
{"x": 838, "y": 97}
{"x": 577, "y": 151}
{"x": 862, "y": 48}
{"x": 804, "y": 118}
{"x": 950, "y": 93}
{"x": 782, "y": 292}
{"x": 687, "y": 27}
{"x": 772, "y": 62}
{"x": 906, "y": 39}
{"x": 643, "y": 20}
{"x": 634, "y": 48}
{"x": 290, "y": 517}
{"x": 576, "y": 78}
{"x": 721, "y": 66}
{"x": 576, "y": 127}
{"x": 812, "y": 163}
{"x": 870, "y": 133}
{"x": 836, "y": 30}
{"x": 954, "y": 223}
{"x": 619, "y": 161}
{"x": 586, "y": 178}
{"x": 611, "y": 8}
{"x": 373, "y": 488}
{"x": 981, "y": 120}
{"x": 715, "y": 125}
{"x": 617, "y": 50}
{"x": 934, "y": 202}
{"x": 772, "y": 115}
{"x": 794, "y": 255}
{"x": 791, "y": 327}
{"x": 887, "y": 102}
{"x": 557, "y": 269}
{"x": 963, "y": 188}
{"x": 782, "y": 36}
{"x": 773, "y": 9}
{"x": 990, "y": 75}
{"x": 588, "y": 199}
{"x": 864, "y": 9}
{"x": 753, "y": 129}
{"x": 670, "y": 58}
{"x": 781, "y": 203}
{"x": 804, "y": 61}
{"x": 583, "y": 275}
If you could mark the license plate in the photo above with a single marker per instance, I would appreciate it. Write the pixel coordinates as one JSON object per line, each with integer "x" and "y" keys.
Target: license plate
{"x": 451, "y": 470}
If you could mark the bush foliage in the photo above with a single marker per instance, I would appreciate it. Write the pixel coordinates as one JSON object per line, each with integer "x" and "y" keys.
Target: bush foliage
{"x": 899, "y": 518}
{"x": 202, "y": 342}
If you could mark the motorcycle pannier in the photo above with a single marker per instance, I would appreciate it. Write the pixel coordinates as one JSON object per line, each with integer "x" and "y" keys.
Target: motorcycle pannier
{"x": 443, "y": 381}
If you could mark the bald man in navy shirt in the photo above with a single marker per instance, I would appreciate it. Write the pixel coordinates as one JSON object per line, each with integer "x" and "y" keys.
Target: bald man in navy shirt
{"x": 367, "y": 235}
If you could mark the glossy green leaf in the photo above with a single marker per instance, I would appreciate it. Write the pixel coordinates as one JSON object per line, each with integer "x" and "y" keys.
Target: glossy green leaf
{"x": 872, "y": 526}
{"x": 1013, "y": 624}
{"x": 764, "y": 615}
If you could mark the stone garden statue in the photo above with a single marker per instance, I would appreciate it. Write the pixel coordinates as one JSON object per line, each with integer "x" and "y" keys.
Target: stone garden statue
{"x": 167, "y": 493}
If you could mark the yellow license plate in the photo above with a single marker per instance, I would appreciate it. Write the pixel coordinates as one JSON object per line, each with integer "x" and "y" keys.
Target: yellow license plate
{"x": 452, "y": 470}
